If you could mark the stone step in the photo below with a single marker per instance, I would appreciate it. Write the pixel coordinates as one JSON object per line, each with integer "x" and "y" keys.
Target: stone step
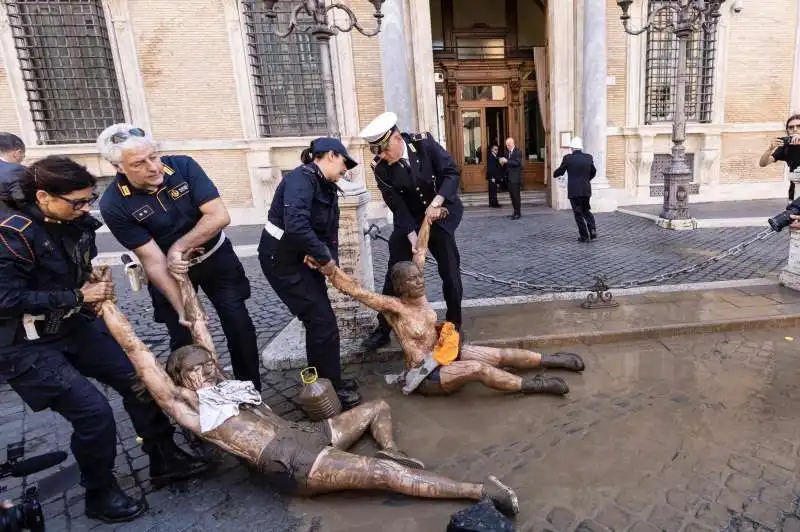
{"x": 481, "y": 199}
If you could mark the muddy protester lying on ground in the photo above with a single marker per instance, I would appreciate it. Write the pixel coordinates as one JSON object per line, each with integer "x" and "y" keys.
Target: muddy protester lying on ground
{"x": 435, "y": 362}
{"x": 297, "y": 458}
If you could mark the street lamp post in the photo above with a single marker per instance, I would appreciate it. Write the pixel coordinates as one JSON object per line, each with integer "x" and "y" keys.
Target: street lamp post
{"x": 687, "y": 16}
{"x": 318, "y": 12}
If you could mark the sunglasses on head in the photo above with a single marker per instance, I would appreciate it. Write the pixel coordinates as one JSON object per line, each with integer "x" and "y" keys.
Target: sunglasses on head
{"x": 78, "y": 204}
{"x": 122, "y": 136}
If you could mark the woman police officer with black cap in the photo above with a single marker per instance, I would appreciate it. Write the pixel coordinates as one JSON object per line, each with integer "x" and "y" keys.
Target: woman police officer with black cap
{"x": 304, "y": 220}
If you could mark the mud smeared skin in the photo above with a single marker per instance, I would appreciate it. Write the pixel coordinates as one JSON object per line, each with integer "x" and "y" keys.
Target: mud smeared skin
{"x": 414, "y": 323}
{"x": 302, "y": 458}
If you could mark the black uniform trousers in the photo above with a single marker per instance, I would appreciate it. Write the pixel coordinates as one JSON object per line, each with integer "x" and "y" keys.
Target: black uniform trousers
{"x": 58, "y": 380}
{"x": 583, "y": 215}
{"x": 515, "y": 191}
{"x": 443, "y": 248}
{"x": 305, "y": 292}
{"x": 222, "y": 278}
{"x": 493, "y": 192}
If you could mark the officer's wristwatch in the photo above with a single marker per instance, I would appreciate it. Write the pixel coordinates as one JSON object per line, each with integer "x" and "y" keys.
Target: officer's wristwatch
{"x": 79, "y": 295}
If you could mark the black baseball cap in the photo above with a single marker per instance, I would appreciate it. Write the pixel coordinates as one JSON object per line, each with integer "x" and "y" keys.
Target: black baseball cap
{"x": 326, "y": 144}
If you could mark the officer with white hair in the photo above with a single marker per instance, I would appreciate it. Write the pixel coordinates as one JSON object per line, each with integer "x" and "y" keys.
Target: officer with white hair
{"x": 160, "y": 207}
{"x": 580, "y": 171}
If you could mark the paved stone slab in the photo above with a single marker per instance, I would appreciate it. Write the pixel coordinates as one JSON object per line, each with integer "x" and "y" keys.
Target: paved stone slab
{"x": 765, "y": 208}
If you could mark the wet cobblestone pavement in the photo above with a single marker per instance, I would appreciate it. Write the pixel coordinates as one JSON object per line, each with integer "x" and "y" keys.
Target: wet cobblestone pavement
{"x": 690, "y": 433}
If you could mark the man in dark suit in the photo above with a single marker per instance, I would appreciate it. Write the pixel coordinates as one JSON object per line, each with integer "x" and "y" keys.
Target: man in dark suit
{"x": 12, "y": 153}
{"x": 494, "y": 174}
{"x": 580, "y": 170}
{"x": 513, "y": 164}
{"x": 416, "y": 175}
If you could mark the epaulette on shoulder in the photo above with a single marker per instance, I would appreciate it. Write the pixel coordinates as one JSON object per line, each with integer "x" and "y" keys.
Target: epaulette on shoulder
{"x": 16, "y": 222}
{"x": 419, "y": 137}
{"x": 375, "y": 161}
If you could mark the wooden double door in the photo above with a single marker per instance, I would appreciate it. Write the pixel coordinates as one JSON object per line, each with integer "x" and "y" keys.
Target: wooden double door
{"x": 480, "y": 128}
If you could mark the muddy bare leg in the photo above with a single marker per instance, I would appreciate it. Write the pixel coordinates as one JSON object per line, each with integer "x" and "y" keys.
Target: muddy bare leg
{"x": 461, "y": 372}
{"x": 521, "y": 358}
{"x": 375, "y": 416}
{"x": 338, "y": 470}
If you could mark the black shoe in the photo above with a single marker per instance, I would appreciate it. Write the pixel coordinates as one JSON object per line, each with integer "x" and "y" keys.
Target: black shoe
{"x": 112, "y": 505}
{"x": 544, "y": 384}
{"x": 563, "y": 360}
{"x": 168, "y": 462}
{"x": 592, "y": 234}
{"x": 351, "y": 385}
{"x": 583, "y": 239}
{"x": 348, "y": 398}
{"x": 515, "y": 217}
{"x": 379, "y": 338}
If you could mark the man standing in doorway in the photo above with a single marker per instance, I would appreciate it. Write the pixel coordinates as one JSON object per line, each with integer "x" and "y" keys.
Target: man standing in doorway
{"x": 513, "y": 164}
{"x": 415, "y": 176}
{"x": 580, "y": 170}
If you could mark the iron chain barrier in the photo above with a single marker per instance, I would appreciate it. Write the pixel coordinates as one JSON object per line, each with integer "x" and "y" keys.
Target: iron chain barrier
{"x": 600, "y": 293}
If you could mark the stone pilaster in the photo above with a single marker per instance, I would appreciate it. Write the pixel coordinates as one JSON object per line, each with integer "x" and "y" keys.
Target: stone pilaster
{"x": 594, "y": 122}
{"x": 790, "y": 275}
{"x": 355, "y": 259}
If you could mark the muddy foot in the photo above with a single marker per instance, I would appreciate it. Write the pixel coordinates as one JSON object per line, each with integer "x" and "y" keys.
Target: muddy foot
{"x": 544, "y": 384}
{"x": 563, "y": 360}
{"x": 503, "y": 497}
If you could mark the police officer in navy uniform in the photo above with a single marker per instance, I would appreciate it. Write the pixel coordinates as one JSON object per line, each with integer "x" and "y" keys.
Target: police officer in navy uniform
{"x": 50, "y": 342}
{"x": 162, "y": 207}
{"x": 12, "y": 153}
{"x": 414, "y": 174}
{"x": 304, "y": 220}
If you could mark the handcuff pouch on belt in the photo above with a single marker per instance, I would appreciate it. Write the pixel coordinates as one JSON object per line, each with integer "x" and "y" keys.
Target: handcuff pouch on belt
{"x": 444, "y": 352}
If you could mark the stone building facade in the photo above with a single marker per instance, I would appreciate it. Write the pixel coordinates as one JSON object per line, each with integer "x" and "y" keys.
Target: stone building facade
{"x": 209, "y": 79}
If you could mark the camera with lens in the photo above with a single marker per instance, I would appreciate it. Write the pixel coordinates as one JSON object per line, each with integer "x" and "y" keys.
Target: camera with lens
{"x": 784, "y": 219}
{"x": 26, "y": 514}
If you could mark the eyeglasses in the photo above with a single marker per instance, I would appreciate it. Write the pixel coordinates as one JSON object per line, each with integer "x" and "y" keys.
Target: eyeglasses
{"x": 78, "y": 204}
{"x": 122, "y": 136}
{"x": 377, "y": 149}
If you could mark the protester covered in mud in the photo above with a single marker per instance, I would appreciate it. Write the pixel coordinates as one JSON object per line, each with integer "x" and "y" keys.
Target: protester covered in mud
{"x": 436, "y": 362}
{"x": 298, "y": 458}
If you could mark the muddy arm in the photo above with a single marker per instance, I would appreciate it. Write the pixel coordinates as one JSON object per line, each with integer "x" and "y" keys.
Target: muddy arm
{"x": 347, "y": 285}
{"x": 424, "y": 236}
{"x": 175, "y": 401}
{"x": 196, "y": 315}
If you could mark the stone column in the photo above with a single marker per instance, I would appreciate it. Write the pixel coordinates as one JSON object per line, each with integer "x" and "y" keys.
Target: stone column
{"x": 594, "y": 123}
{"x": 398, "y": 85}
{"x": 790, "y": 275}
{"x": 355, "y": 259}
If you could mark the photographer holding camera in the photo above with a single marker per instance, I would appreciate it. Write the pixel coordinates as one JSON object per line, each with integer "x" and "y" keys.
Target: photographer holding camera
{"x": 785, "y": 149}
{"x": 51, "y": 340}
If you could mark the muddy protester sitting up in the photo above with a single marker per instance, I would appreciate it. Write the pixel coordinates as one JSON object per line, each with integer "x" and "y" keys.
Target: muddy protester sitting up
{"x": 297, "y": 458}
{"x": 436, "y": 362}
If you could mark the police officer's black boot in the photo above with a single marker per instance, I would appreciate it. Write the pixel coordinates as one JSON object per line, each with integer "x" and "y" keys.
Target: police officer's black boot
{"x": 348, "y": 394}
{"x": 110, "y": 504}
{"x": 168, "y": 463}
{"x": 379, "y": 338}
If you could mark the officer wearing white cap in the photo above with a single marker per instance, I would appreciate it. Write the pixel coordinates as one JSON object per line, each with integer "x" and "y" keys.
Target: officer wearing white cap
{"x": 580, "y": 171}
{"x": 414, "y": 174}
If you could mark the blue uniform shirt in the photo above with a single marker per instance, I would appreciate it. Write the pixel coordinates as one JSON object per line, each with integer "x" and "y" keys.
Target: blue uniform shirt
{"x": 135, "y": 216}
{"x": 306, "y": 207}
